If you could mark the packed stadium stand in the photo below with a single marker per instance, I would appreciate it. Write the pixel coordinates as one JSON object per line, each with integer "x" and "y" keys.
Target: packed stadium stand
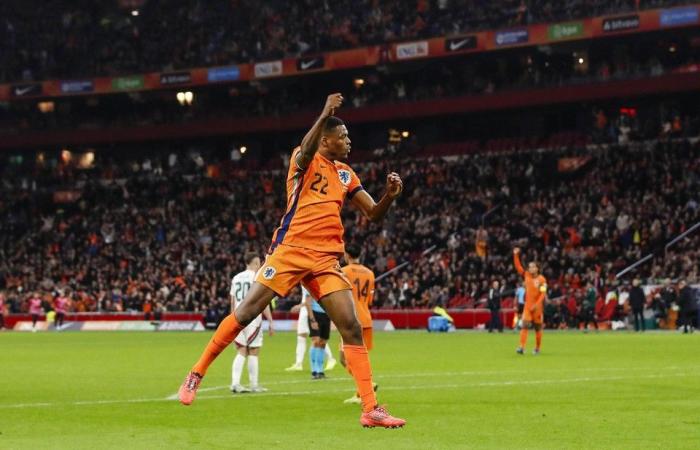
{"x": 61, "y": 39}
{"x": 132, "y": 201}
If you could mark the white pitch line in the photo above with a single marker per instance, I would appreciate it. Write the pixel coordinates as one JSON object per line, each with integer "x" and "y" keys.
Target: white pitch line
{"x": 452, "y": 386}
{"x": 334, "y": 391}
{"x": 442, "y": 374}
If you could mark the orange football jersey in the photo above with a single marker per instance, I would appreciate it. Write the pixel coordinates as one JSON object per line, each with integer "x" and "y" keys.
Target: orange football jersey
{"x": 362, "y": 281}
{"x": 535, "y": 287}
{"x": 315, "y": 197}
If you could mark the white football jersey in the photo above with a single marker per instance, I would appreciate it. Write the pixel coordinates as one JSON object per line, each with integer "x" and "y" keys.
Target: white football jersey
{"x": 240, "y": 285}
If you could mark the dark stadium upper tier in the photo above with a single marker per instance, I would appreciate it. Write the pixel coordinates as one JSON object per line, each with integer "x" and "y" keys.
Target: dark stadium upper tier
{"x": 82, "y": 39}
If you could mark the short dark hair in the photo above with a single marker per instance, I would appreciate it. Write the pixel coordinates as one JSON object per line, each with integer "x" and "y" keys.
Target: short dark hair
{"x": 250, "y": 256}
{"x": 331, "y": 123}
{"x": 353, "y": 250}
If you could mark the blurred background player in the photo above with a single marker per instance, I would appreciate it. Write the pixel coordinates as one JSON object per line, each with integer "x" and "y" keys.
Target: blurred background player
{"x": 494, "y": 303}
{"x": 35, "y": 309}
{"x": 320, "y": 325}
{"x": 362, "y": 281}
{"x": 637, "y": 299}
{"x": 687, "y": 305}
{"x": 520, "y": 296}
{"x": 303, "y": 334}
{"x": 61, "y": 307}
{"x": 250, "y": 340}
{"x": 535, "y": 292}
{"x": 588, "y": 314}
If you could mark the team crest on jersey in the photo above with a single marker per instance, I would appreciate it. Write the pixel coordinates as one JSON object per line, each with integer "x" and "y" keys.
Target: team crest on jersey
{"x": 269, "y": 272}
{"x": 344, "y": 176}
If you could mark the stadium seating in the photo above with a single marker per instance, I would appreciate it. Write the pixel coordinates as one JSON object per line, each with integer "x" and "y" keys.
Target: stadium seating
{"x": 84, "y": 38}
{"x": 141, "y": 234}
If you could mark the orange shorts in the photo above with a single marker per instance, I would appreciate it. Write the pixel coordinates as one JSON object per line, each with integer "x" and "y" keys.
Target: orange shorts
{"x": 288, "y": 266}
{"x": 366, "y": 338}
{"x": 536, "y": 317}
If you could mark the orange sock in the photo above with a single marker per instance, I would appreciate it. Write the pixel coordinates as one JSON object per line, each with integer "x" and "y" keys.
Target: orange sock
{"x": 538, "y": 339}
{"x": 347, "y": 367}
{"x": 357, "y": 360}
{"x": 223, "y": 336}
{"x": 523, "y": 337}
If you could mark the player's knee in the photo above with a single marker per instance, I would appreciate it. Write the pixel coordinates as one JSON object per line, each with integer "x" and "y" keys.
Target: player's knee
{"x": 352, "y": 333}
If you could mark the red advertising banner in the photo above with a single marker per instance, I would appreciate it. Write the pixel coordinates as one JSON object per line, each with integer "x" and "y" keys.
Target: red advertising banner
{"x": 540, "y": 34}
{"x": 224, "y": 126}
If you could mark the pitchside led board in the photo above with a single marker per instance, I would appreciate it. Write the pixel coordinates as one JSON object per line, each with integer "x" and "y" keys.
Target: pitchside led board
{"x": 165, "y": 325}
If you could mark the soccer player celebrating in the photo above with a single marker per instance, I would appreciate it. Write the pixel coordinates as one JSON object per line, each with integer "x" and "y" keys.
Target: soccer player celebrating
{"x": 535, "y": 292}
{"x": 306, "y": 247}
{"x": 362, "y": 281}
{"x": 250, "y": 339}
{"x": 303, "y": 332}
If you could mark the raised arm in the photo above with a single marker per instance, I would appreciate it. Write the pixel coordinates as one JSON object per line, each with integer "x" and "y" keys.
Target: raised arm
{"x": 376, "y": 211}
{"x": 516, "y": 261}
{"x": 309, "y": 145}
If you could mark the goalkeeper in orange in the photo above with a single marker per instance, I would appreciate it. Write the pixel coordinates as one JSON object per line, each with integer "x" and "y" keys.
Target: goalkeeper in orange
{"x": 535, "y": 292}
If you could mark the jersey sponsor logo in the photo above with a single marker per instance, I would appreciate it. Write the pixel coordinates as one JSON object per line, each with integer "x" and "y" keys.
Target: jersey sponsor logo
{"x": 269, "y": 272}
{"x": 621, "y": 23}
{"x": 460, "y": 44}
{"x": 310, "y": 63}
{"x": 344, "y": 176}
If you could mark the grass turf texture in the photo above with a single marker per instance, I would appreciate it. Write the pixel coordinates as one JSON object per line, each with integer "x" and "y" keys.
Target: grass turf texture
{"x": 458, "y": 390}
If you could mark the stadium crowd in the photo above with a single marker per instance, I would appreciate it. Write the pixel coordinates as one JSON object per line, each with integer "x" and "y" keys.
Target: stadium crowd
{"x": 487, "y": 74}
{"x": 60, "y": 39}
{"x": 162, "y": 234}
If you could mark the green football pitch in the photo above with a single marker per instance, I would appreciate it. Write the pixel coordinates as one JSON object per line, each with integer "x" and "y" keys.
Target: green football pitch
{"x": 456, "y": 390}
